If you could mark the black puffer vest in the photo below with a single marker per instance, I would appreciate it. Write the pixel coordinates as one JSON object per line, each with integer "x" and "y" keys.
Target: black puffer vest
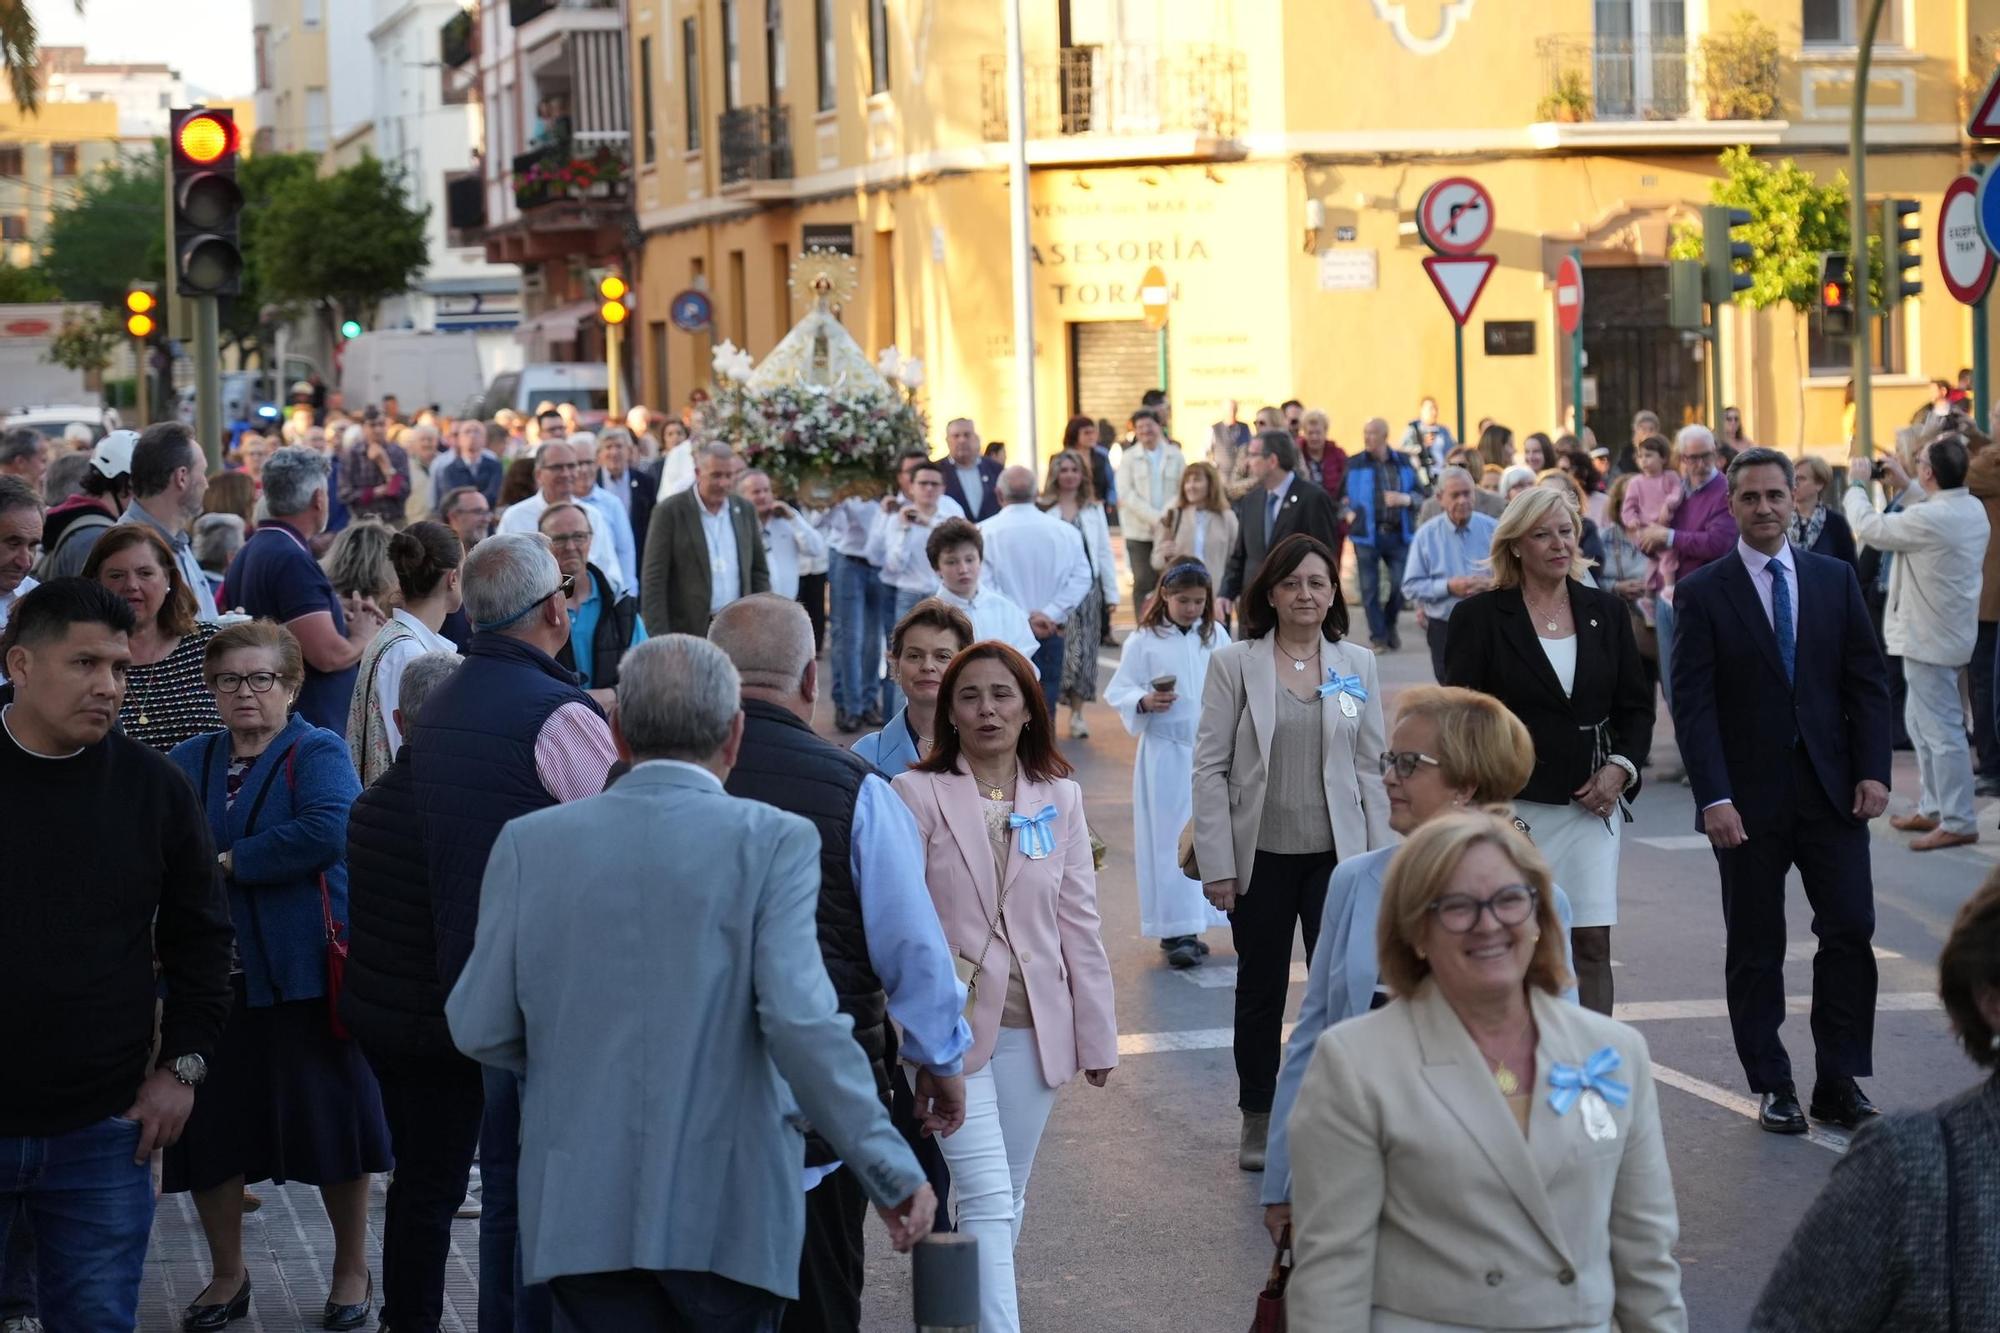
{"x": 392, "y": 1000}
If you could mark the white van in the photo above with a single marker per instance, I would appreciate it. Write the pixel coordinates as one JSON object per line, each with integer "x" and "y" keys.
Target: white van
{"x": 585, "y": 385}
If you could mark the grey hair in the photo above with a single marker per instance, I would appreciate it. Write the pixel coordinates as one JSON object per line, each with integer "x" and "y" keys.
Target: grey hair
{"x": 18, "y": 494}
{"x": 1456, "y": 473}
{"x": 1017, "y": 486}
{"x": 1693, "y": 433}
{"x": 678, "y": 696}
{"x": 217, "y": 539}
{"x": 65, "y": 476}
{"x": 714, "y": 449}
{"x": 291, "y": 476}
{"x": 77, "y": 433}
{"x": 352, "y": 437}
{"x": 583, "y": 442}
{"x": 422, "y": 675}
{"x": 504, "y": 575}
{"x": 1518, "y": 475}
{"x": 614, "y": 435}
{"x": 769, "y": 639}
{"x": 19, "y": 443}
{"x": 542, "y": 450}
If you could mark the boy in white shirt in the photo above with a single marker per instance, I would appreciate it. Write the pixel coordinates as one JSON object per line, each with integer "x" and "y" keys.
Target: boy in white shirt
{"x": 957, "y": 552}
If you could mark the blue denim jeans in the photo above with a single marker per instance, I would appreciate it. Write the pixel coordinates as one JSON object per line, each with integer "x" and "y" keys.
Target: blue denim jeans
{"x": 17, "y": 1268}
{"x": 1663, "y": 635}
{"x": 505, "y": 1306}
{"x": 91, "y": 1207}
{"x": 1049, "y": 661}
{"x": 863, "y": 614}
{"x": 1389, "y": 550}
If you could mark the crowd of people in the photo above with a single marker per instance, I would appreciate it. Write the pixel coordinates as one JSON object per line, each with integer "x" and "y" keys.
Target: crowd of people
{"x": 421, "y": 727}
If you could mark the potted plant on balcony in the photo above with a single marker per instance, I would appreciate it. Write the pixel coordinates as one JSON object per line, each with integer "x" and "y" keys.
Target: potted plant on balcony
{"x": 1739, "y": 71}
{"x": 455, "y": 39}
{"x": 1568, "y": 100}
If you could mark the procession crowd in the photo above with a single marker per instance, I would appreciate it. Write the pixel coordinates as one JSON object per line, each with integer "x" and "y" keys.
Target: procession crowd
{"x": 443, "y": 797}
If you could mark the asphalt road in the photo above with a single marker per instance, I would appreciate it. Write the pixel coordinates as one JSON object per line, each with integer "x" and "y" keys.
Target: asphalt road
{"x": 1138, "y": 1217}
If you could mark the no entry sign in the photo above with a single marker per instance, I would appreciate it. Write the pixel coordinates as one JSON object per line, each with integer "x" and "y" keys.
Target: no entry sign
{"x": 1569, "y": 294}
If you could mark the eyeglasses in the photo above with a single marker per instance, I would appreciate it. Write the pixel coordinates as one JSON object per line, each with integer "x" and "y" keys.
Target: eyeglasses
{"x": 1460, "y": 913}
{"x": 562, "y": 590}
{"x": 571, "y": 539}
{"x": 229, "y": 682}
{"x": 1405, "y": 762}
{"x": 564, "y": 467}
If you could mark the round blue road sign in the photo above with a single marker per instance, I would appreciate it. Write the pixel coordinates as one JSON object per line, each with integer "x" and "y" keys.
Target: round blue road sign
{"x": 1989, "y": 211}
{"x": 690, "y": 311}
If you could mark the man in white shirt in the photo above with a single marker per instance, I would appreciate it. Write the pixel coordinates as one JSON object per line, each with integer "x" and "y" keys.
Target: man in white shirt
{"x": 958, "y": 553}
{"x": 1039, "y": 562}
{"x": 1149, "y": 481}
{"x": 789, "y": 540}
{"x": 561, "y": 476}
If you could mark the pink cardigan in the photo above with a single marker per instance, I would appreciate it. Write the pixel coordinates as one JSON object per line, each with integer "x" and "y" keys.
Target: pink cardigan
{"x": 1051, "y": 926}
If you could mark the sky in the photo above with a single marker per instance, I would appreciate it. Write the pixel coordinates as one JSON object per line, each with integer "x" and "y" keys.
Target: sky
{"x": 208, "y": 41}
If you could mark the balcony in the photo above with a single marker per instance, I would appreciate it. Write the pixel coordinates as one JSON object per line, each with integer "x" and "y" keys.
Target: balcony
{"x": 755, "y": 144}
{"x": 1613, "y": 78}
{"x": 1193, "y": 94}
{"x": 458, "y": 39}
{"x": 526, "y": 11}
{"x": 573, "y": 171}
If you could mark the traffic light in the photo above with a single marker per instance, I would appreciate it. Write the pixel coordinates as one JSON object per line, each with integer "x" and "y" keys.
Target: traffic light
{"x": 613, "y": 294}
{"x": 350, "y": 329}
{"x": 1721, "y": 251}
{"x": 1898, "y": 283}
{"x": 1836, "y": 295}
{"x": 141, "y": 300}
{"x": 207, "y": 202}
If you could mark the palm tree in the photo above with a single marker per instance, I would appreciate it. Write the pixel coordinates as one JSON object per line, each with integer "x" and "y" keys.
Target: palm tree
{"x": 19, "y": 51}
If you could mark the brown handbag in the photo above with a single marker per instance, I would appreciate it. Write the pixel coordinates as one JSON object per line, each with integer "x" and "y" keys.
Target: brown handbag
{"x": 1271, "y": 1301}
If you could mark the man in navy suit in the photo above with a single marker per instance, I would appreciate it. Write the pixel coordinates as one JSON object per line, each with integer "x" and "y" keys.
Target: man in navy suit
{"x": 968, "y": 478}
{"x": 1781, "y": 705}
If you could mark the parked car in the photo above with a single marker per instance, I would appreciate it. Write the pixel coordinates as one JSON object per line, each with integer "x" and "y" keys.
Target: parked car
{"x": 585, "y": 385}
{"x": 50, "y": 422}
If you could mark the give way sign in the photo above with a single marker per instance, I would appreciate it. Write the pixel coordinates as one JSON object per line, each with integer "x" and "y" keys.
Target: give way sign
{"x": 1459, "y": 280}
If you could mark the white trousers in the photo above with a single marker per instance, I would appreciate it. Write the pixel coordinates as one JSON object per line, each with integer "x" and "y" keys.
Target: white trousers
{"x": 1935, "y": 718}
{"x": 1007, "y": 1106}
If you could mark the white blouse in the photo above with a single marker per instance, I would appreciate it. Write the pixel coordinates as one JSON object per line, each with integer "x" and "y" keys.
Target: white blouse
{"x": 1562, "y": 656}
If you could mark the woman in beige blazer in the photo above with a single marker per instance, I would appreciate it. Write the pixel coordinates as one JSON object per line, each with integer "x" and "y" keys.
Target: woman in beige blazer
{"x": 1477, "y": 1154}
{"x": 1287, "y": 784}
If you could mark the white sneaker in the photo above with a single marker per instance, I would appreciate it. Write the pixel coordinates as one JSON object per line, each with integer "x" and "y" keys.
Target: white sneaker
{"x": 469, "y": 1208}
{"x": 1077, "y": 730}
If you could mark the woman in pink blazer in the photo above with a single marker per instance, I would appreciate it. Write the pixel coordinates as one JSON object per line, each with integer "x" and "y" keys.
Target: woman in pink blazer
{"x": 1007, "y": 858}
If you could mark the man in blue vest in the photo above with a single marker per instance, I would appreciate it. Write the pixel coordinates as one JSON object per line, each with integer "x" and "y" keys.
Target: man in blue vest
{"x": 1382, "y": 495}
{"x": 510, "y": 733}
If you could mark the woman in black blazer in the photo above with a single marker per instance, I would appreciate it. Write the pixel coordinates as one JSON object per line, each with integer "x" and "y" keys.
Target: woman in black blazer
{"x": 1817, "y": 526}
{"x": 1560, "y": 654}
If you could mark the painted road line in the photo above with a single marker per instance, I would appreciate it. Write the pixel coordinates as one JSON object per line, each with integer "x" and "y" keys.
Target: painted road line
{"x": 1832, "y": 1140}
{"x": 1221, "y": 976}
{"x": 1654, "y": 1011}
{"x": 1679, "y": 842}
{"x": 1802, "y": 951}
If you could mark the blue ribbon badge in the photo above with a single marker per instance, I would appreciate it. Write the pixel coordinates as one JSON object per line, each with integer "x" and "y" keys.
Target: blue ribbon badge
{"x": 1570, "y": 1083}
{"x": 1038, "y": 835}
{"x": 1349, "y": 688}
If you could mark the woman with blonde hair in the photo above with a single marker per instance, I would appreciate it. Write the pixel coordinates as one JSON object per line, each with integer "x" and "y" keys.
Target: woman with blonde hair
{"x": 1450, "y": 749}
{"x": 1069, "y": 494}
{"x": 1817, "y": 526}
{"x": 358, "y": 564}
{"x": 1200, "y": 525}
{"x": 1476, "y": 1153}
{"x": 1561, "y": 656}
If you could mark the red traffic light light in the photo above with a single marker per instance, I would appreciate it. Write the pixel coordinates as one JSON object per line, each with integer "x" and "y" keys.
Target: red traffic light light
{"x": 206, "y": 138}
{"x": 1833, "y": 294}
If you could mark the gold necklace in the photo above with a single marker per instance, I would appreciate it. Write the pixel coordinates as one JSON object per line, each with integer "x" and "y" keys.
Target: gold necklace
{"x": 1549, "y": 617}
{"x": 989, "y": 791}
{"x": 1504, "y": 1076}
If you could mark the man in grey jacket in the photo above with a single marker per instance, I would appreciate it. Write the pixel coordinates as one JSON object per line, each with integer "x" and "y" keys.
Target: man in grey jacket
{"x": 671, "y": 1025}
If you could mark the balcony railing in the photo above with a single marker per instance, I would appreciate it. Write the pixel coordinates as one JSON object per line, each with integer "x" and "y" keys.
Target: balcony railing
{"x": 1613, "y": 78}
{"x": 523, "y": 11}
{"x": 572, "y": 170}
{"x": 756, "y": 144}
{"x": 1120, "y": 90}
{"x": 458, "y": 39}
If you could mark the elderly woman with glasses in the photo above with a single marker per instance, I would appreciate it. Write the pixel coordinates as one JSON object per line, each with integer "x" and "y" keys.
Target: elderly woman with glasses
{"x": 1451, "y": 749}
{"x": 287, "y": 1097}
{"x": 1476, "y": 1153}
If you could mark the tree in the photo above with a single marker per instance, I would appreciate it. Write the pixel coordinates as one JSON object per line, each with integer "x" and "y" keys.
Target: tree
{"x": 86, "y": 340}
{"x": 114, "y": 233}
{"x": 20, "y": 51}
{"x": 340, "y": 244}
{"x": 1793, "y": 219}
{"x": 26, "y": 285}
{"x": 264, "y": 178}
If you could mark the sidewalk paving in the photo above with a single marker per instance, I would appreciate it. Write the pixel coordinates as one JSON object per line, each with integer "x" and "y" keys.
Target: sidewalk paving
{"x": 288, "y": 1248}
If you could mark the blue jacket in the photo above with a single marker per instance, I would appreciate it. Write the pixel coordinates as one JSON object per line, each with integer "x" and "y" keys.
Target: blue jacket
{"x": 1361, "y": 495}
{"x": 891, "y": 749}
{"x": 284, "y": 832}
{"x": 475, "y": 770}
{"x": 1341, "y": 985}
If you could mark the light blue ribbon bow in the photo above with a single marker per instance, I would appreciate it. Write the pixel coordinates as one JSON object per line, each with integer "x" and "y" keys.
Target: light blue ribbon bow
{"x": 1339, "y": 684}
{"x": 1570, "y": 1082}
{"x": 1038, "y": 835}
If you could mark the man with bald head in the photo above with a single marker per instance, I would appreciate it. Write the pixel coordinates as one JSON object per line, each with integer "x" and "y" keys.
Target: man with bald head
{"x": 1382, "y": 494}
{"x": 1039, "y": 561}
{"x": 878, "y": 932}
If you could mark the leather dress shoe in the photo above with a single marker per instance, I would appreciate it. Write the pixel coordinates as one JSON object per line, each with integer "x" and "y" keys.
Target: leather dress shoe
{"x": 1912, "y": 823}
{"x": 350, "y": 1316}
{"x": 1938, "y": 839}
{"x": 1842, "y": 1103}
{"x": 200, "y": 1317}
{"x": 1779, "y": 1113}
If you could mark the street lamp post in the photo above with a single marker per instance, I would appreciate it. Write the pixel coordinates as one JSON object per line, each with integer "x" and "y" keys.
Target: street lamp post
{"x": 1857, "y": 232}
{"x": 1017, "y": 208}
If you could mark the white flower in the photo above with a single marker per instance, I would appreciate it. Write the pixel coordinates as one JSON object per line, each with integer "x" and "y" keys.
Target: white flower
{"x": 913, "y": 374}
{"x": 888, "y": 362}
{"x": 732, "y": 362}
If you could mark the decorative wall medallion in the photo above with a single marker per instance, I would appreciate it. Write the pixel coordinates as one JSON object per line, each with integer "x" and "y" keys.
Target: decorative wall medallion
{"x": 1396, "y": 14}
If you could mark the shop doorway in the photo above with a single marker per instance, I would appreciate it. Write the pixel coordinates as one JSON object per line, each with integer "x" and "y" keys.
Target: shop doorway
{"x": 1111, "y": 365}
{"x": 1638, "y": 359}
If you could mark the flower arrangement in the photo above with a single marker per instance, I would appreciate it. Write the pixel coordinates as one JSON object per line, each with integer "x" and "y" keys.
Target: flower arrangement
{"x": 558, "y": 173}
{"x": 822, "y": 441}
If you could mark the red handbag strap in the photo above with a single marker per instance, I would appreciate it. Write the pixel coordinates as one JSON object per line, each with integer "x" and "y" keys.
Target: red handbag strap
{"x": 1281, "y": 1266}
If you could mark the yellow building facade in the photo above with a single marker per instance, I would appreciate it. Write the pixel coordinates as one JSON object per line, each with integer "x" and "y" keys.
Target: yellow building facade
{"x": 45, "y": 157}
{"x": 1267, "y": 156}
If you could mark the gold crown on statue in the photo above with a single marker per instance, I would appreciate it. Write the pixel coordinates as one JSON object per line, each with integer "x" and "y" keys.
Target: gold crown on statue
{"x": 825, "y": 277}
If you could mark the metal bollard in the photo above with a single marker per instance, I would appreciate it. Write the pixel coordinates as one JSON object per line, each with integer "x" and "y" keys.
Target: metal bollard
{"x": 944, "y": 1283}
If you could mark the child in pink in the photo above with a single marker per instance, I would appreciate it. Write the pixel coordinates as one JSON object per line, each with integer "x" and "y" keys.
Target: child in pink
{"x": 1650, "y": 498}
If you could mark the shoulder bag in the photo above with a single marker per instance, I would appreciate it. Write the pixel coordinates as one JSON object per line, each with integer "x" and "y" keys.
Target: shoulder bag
{"x": 969, "y": 971}
{"x": 1270, "y": 1317}
{"x": 336, "y": 941}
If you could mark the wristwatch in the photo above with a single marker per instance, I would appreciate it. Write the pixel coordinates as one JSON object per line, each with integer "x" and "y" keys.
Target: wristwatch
{"x": 189, "y": 1070}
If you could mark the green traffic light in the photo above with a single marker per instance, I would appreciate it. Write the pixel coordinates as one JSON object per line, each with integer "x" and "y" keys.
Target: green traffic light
{"x": 351, "y": 329}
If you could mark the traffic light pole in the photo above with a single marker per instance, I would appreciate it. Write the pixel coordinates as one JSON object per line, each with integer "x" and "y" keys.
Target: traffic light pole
{"x": 1857, "y": 233}
{"x": 614, "y": 359}
{"x": 1715, "y": 364}
{"x": 208, "y": 378}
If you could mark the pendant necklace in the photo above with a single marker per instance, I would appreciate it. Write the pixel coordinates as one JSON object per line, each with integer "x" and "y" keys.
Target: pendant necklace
{"x": 989, "y": 791}
{"x": 1549, "y": 618}
{"x": 1298, "y": 663}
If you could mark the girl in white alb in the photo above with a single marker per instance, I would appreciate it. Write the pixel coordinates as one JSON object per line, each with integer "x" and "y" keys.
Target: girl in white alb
{"x": 1157, "y": 691}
